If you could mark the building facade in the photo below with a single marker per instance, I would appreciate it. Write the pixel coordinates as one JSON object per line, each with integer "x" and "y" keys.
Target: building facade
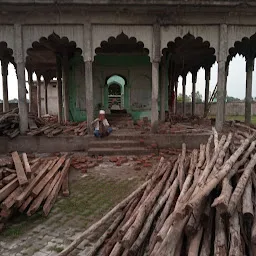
{"x": 124, "y": 54}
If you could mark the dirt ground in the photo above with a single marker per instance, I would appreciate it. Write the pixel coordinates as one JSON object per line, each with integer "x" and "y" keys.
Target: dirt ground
{"x": 92, "y": 194}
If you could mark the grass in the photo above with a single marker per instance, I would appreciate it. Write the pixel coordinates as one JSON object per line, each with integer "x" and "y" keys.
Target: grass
{"x": 239, "y": 118}
{"x": 56, "y": 248}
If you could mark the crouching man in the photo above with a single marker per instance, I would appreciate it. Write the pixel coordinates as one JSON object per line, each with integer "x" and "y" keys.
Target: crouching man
{"x": 101, "y": 125}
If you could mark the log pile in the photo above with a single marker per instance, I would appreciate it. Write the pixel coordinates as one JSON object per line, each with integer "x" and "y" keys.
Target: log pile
{"x": 9, "y": 123}
{"x": 26, "y": 185}
{"x": 53, "y": 129}
{"x": 201, "y": 203}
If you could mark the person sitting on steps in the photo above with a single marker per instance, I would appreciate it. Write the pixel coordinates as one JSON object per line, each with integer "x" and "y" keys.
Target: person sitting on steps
{"x": 101, "y": 125}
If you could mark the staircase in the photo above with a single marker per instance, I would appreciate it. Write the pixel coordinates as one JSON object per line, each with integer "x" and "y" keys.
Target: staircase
{"x": 123, "y": 141}
{"x": 119, "y": 145}
{"x": 120, "y": 119}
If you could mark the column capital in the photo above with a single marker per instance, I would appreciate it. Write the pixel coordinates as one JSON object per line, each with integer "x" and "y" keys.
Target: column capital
{"x": 4, "y": 65}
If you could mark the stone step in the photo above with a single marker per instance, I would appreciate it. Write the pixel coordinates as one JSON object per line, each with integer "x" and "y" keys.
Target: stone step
{"x": 99, "y": 143}
{"x": 120, "y": 151}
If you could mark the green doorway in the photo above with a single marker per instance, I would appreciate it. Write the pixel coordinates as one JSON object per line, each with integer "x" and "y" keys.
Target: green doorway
{"x": 114, "y": 96}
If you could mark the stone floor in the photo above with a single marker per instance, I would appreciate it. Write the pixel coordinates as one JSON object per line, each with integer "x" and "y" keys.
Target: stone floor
{"x": 92, "y": 195}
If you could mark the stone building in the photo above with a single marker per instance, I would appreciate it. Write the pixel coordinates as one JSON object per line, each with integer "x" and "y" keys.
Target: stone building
{"x": 123, "y": 55}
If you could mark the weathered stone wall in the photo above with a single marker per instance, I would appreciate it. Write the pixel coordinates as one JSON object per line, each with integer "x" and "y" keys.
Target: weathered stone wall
{"x": 232, "y": 108}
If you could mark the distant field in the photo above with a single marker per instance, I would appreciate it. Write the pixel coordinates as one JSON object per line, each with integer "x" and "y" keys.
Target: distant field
{"x": 239, "y": 118}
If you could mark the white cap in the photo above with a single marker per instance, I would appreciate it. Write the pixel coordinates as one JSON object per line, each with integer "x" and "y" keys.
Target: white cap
{"x": 102, "y": 112}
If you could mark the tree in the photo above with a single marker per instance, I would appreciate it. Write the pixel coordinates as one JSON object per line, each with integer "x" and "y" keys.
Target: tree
{"x": 199, "y": 97}
{"x": 232, "y": 99}
{"x": 187, "y": 98}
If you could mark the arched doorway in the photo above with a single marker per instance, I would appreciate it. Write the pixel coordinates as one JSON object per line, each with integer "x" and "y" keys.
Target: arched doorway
{"x": 115, "y": 92}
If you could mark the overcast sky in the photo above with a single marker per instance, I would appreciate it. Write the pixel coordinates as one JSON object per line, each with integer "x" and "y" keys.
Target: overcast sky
{"x": 235, "y": 86}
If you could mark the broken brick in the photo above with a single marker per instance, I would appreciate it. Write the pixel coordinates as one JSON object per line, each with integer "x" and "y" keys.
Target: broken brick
{"x": 113, "y": 159}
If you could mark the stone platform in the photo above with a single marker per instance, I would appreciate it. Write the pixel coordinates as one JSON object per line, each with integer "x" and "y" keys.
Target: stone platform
{"x": 43, "y": 144}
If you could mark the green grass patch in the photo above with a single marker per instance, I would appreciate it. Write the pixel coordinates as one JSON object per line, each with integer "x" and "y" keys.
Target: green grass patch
{"x": 56, "y": 248}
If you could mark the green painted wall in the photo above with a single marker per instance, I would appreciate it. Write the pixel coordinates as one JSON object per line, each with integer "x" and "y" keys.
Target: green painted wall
{"x": 130, "y": 61}
{"x": 76, "y": 115}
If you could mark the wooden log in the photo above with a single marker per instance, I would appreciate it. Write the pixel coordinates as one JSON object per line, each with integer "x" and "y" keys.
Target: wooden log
{"x": 216, "y": 139}
{"x": 143, "y": 211}
{"x": 240, "y": 187}
{"x": 22, "y": 197}
{"x": 247, "y": 201}
{"x": 39, "y": 187}
{"x": 21, "y": 175}
{"x": 11, "y": 199}
{"x": 164, "y": 214}
{"x": 194, "y": 244}
{"x": 235, "y": 247}
{"x": 207, "y": 236}
{"x": 208, "y": 149}
{"x": 26, "y": 165}
{"x": 210, "y": 185}
{"x": 54, "y": 193}
{"x": 52, "y": 184}
{"x": 9, "y": 178}
{"x": 26, "y": 203}
{"x": 38, "y": 200}
{"x": 209, "y": 167}
{"x": 220, "y": 242}
{"x": 7, "y": 190}
{"x": 106, "y": 234}
{"x": 170, "y": 242}
{"x": 103, "y": 220}
{"x": 65, "y": 186}
{"x": 181, "y": 172}
{"x": 147, "y": 224}
{"x": 54, "y": 161}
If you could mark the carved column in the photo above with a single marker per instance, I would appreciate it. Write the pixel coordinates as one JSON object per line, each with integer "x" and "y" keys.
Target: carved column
{"x": 163, "y": 89}
{"x": 65, "y": 71}
{"x": 155, "y": 77}
{"x": 46, "y": 83}
{"x": 248, "y": 95}
{"x": 5, "y": 85}
{"x": 88, "y": 75}
{"x": 194, "y": 78}
{"x": 207, "y": 90}
{"x": 176, "y": 97}
{"x": 221, "y": 92}
{"x": 39, "y": 84}
{"x": 184, "y": 81}
{"x": 22, "y": 101}
{"x": 59, "y": 88}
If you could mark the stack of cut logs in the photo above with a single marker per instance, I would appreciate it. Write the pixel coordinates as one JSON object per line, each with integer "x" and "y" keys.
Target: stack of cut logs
{"x": 201, "y": 203}
{"x": 9, "y": 123}
{"x": 26, "y": 185}
{"x": 53, "y": 129}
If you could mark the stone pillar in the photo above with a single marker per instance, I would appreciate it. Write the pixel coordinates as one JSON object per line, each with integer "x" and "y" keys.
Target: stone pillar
{"x": 5, "y": 85}
{"x": 225, "y": 90}
{"x": 248, "y": 95}
{"x": 39, "y": 84}
{"x": 59, "y": 88}
{"x": 176, "y": 97}
{"x": 46, "y": 83}
{"x": 194, "y": 78}
{"x": 30, "y": 84}
{"x": 22, "y": 101}
{"x": 184, "y": 81}
{"x": 65, "y": 71}
{"x": 88, "y": 75}
{"x": 155, "y": 77}
{"x": 223, "y": 50}
{"x": 207, "y": 90}
{"x": 163, "y": 89}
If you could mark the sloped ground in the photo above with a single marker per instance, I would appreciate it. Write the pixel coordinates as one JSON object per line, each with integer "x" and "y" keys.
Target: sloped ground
{"x": 92, "y": 195}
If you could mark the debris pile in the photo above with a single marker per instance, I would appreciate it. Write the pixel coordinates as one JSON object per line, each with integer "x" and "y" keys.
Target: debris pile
{"x": 26, "y": 185}
{"x": 202, "y": 203}
{"x": 52, "y": 129}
